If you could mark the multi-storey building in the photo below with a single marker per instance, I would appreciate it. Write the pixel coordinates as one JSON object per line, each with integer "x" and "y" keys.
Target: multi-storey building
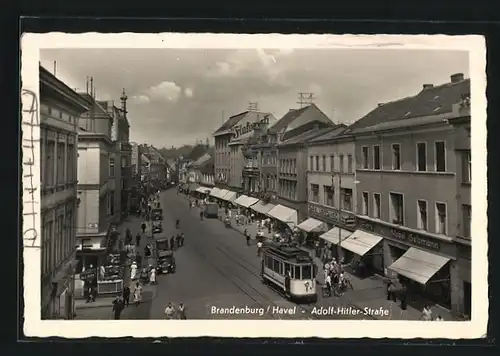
{"x": 60, "y": 108}
{"x": 135, "y": 158}
{"x": 97, "y": 211}
{"x": 230, "y": 139}
{"x": 406, "y": 171}
{"x": 207, "y": 171}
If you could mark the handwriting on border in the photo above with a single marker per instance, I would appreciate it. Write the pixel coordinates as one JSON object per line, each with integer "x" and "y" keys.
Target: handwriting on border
{"x": 30, "y": 121}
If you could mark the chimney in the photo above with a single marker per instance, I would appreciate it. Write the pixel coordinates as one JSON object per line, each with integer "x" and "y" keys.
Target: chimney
{"x": 427, "y": 86}
{"x": 458, "y": 77}
{"x": 123, "y": 99}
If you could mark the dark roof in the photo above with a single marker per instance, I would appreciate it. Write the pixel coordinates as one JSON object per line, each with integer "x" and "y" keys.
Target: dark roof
{"x": 233, "y": 120}
{"x": 287, "y": 119}
{"x": 305, "y": 136}
{"x": 307, "y": 127}
{"x": 430, "y": 101}
{"x": 96, "y": 108}
{"x": 208, "y": 166}
{"x": 196, "y": 152}
{"x": 331, "y": 133}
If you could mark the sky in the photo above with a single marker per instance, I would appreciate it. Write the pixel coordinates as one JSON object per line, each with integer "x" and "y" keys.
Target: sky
{"x": 178, "y": 96}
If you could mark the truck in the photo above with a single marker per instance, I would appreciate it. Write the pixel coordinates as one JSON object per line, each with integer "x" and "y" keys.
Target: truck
{"x": 211, "y": 210}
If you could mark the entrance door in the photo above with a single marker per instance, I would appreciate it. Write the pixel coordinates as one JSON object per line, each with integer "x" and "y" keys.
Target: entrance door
{"x": 467, "y": 298}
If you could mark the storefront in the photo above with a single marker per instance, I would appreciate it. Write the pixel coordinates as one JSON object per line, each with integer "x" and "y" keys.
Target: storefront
{"x": 310, "y": 230}
{"x": 285, "y": 216}
{"x": 462, "y": 273}
{"x": 340, "y": 225}
{"x": 424, "y": 263}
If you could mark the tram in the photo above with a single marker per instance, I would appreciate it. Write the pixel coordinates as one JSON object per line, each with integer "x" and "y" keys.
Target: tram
{"x": 278, "y": 260}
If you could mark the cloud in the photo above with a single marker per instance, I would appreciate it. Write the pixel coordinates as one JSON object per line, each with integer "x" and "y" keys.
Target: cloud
{"x": 188, "y": 92}
{"x": 166, "y": 90}
{"x": 140, "y": 99}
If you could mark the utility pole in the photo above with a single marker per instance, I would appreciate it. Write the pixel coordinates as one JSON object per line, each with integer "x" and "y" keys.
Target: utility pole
{"x": 305, "y": 99}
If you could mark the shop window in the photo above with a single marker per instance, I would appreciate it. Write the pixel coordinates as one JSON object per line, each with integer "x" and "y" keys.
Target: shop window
{"x": 341, "y": 163}
{"x": 376, "y": 157}
{"x": 396, "y": 208}
{"x": 466, "y": 220}
{"x": 364, "y": 151}
{"x": 440, "y": 156}
{"x": 466, "y": 167}
{"x": 422, "y": 215}
{"x": 365, "y": 204}
{"x": 315, "y": 193}
{"x": 332, "y": 163}
{"x": 328, "y": 191}
{"x": 317, "y": 164}
{"x": 396, "y": 156}
{"x": 421, "y": 157}
{"x": 349, "y": 163}
{"x": 441, "y": 218}
{"x": 376, "y": 206}
{"x": 346, "y": 199}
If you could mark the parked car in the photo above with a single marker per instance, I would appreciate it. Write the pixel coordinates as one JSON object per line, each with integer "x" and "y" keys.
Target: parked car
{"x": 211, "y": 210}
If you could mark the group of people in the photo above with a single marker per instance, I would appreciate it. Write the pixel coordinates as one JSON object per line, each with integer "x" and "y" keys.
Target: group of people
{"x": 172, "y": 313}
{"x": 335, "y": 278}
{"x": 123, "y": 301}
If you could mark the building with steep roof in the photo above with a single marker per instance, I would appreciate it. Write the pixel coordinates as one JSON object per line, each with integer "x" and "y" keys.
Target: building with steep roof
{"x": 406, "y": 169}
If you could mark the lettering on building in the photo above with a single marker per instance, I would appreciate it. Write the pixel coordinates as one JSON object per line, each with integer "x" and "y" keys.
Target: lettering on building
{"x": 241, "y": 130}
{"x": 332, "y": 214}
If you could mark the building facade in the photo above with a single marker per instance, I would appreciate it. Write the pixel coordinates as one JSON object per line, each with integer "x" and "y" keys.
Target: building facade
{"x": 97, "y": 211}
{"x": 60, "y": 109}
{"x": 207, "y": 171}
{"x": 135, "y": 158}
{"x": 406, "y": 170}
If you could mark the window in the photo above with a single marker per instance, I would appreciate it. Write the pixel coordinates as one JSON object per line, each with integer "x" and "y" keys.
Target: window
{"x": 297, "y": 272}
{"x": 311, "y": 163}
{"x": 315, "y": 193}
{"x": 396, "y": 156}
{"x": 60, "y": 163}
{"x": 466, "y": 220}
{"x": 323, "y": 168}
{"x": 376, "y": 157}
{"x": 332, "y": 163}
{"x": 421, "y": 157}
{"x": 376, "y": 206}
{"x": 341, "y": 163}
{"x": 466, "y": 167}
{"x": 346, "y": 199}
{"x": 365, "y": 203}
{"x": 349, "y": 163}
{"x": 440, "y": 152}
{"x": 70, "y": 169}
{"x": 364, "y": 152}
{"x": 111, "y": 203}
{"x": 422, "y": 215}
{"x": 49, "y": 170}
{"x": 111, "y": 166}
{"x": 396, "y": 208}
{"x": 317, "y": 163}
{"x": 306, "y": 272}
{"x": 328, "y": 191}
{"x": 441, "y": 219}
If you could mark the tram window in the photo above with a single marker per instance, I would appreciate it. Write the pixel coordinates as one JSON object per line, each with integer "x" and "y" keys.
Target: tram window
{"x": 269, "y": 262}
{"x": 306, "y": 272}
{"x": 276, "y": 266}
{"x": 297, "y": 272}
{"x": 287, "y": 268}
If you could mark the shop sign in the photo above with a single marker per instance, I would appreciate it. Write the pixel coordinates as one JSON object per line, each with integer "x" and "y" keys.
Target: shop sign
{"x": 399, "y": 235}
{"x": 89, "y": 275}
{"x": 241, "y": 130}
{"x": 332, "y": 214}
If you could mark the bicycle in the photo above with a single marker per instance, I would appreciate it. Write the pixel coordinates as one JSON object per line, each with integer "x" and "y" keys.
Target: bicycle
{"x": 340, "y": 289}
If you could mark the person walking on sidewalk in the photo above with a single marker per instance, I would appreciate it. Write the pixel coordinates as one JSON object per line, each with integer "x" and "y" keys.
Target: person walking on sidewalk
{"x": 143, "y": 226}
{"x": 118, "y": 306}
{"x": 172, "y": 243}
{"x": 259, "y": 248}
{"x": 138, "y": 239}
{"x": 137, "y": 294}
{"x": 181, "y": 310}
{"x": 247, "y": 236}
{"x": 169, "y": 311}
{"x": 426, "y": 313}
{"x": 126, "y": 295}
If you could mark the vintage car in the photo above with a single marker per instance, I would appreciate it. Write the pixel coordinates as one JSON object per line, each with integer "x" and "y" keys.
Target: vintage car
{"x": 157, "y": 226}
{"x": 165, "y": 262}
{"x": 161, "y": 243}
{"x": 157, "y": 214}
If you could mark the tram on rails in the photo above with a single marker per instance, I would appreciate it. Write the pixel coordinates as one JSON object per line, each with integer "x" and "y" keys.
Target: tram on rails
{"x": 291, "y": 270}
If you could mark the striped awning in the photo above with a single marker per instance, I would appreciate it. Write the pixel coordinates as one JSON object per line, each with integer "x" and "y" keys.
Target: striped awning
{"x": 262, "y": 208}
{"x": 214, "y": 192}
{"x": 334, "y": 235}
{"x": 229, "y": 196}
{"x": 284, "y": 214}
{"x": 310, "y": 225}
{"x": 245, "y": 201}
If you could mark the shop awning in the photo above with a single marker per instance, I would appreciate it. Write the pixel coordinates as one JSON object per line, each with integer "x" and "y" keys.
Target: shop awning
{"x": 193, "y": 187}
{"x": 310, "y": 225}
{"x": 284, "y": 214}
{"x": 332, "y": 236}
{"x": 360, "y": 242}
{"x": 214, "y": 192}
{"x": 202, "y": 190}
{"x": 418, "y": 265}
{"x": 245, "y": 201}
{"x": 229, "y": 196}
{"x": 262, "y": 208}
{"x": 221, "y": 193}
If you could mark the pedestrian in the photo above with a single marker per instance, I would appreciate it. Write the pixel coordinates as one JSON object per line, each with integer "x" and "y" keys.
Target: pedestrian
{"x": 172, "y": 243}
{"x": 402, "y": 297}
{"x": 152, "y": 276}
{"x": 439, "y": 318}
{"x": 143, "y": 226}
{"x": 126, "y": 295}
{"x": 118, "y": 306}
{"x": 182, "y": 311}
{"x": 426, "y": 313}
{"x": 137, "y": 294}
{"x": 201, "y": 214}
{"x": 138, "y": 239}
{"x": 133, "y": 270}
{"x": 247, "y": 236}
{"x": 390, "y": 290}
{"x": 259, "y": 248}
{"x": 169, "y": 311}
